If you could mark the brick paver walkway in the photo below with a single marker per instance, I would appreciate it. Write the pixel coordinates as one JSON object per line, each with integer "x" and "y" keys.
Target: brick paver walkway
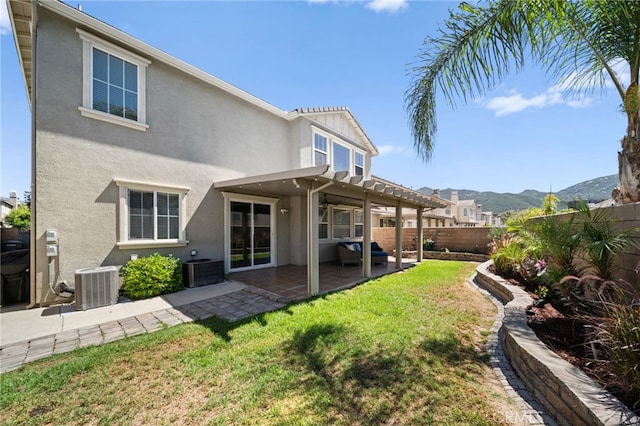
{"x": 233, "y": 306}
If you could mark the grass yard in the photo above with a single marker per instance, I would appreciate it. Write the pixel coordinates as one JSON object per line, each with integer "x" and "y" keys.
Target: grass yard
{"x": 403, "y": 349}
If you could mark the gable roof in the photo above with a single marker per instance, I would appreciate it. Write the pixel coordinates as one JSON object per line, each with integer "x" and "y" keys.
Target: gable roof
{"x": 466, "y": 202}
{"x": 21, "y": 15}
{"x": 346, "y": 112}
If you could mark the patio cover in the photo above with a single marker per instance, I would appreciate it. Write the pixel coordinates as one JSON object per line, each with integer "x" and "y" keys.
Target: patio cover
{"x": 344, "y": 189}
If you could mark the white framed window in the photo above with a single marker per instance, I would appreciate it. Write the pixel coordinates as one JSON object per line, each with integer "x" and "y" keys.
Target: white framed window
{"x": 358, "y": 223}
{"x": 320, "y": 149}
{"x": 114, "y": 83}
{"x": 341, "y": 226}
{"x": 323, "y": 223}
{"x": 341, "y": 157}
{"x": 151, "y": 215}
{"x": 358, "y": 163}
{"x": 337, "y": 153}
{"x": 339, "y": 222}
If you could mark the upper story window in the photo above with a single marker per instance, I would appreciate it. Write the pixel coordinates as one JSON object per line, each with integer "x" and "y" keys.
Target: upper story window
{"x": 114, "y": 83}
{"x": 320, "y": 150}
{"x": 151, "y": 215}
{"x": 341, "y": 157}
{"x": 359, "y": 163}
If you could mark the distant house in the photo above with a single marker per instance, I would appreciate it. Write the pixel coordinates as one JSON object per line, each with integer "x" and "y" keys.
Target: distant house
{"x": 170, "y": 159}
{"x": 457, "y": 213}
{"x": 6, "y": 205}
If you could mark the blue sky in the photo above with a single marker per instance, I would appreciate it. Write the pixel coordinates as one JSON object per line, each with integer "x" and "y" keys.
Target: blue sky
{"x": 358, "y": 54}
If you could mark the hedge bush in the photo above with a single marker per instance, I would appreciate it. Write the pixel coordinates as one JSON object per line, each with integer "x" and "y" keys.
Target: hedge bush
{"x": 151, "y": 276}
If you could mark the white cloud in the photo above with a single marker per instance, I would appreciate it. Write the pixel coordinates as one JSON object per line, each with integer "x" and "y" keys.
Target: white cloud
{"x": 378, "y": 6}
{"x": 391, "y": 6}
{"x": 516, "y": 102}
{"x": 389, "y": 149}
{"x": 5, "y": 23}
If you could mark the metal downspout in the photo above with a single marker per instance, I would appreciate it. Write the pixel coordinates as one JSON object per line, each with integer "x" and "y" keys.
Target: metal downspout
{"x": 34, "y": 228}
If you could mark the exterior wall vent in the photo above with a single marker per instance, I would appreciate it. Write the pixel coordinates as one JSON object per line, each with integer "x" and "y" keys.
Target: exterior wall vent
{"x": 96, "y": 287}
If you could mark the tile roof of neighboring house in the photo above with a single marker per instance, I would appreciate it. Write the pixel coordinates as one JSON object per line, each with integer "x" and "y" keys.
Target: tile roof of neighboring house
{"x": 466, "y": 202}
{"x": 7, "y": 202}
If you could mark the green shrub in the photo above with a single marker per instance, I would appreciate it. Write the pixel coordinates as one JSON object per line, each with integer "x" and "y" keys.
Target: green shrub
{"x": 20, "y": 217}
{"x": 429, "y": 244}
{"x": 151, "y": 276}
{"x": 619, "y": 334}
{"x": 602, "y": 241}
{"x": 508, "y": 259}
{"x": 615, "y": 331}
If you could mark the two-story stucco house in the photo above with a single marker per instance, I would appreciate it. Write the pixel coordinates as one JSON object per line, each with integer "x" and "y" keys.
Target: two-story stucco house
{"x": 136, "y": 152}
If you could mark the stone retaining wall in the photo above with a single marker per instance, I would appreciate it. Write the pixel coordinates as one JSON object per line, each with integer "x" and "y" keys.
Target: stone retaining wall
{"x": 566, "y": 392}
{"x": 443, "y": 255}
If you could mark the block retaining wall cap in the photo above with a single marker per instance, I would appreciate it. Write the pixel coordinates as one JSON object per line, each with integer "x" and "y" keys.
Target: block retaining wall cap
{"x": 564, "y": 390}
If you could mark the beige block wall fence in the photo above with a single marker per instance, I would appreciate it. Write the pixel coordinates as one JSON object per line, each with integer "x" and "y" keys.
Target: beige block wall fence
{"x": 475, "y": 240}
{"x": 470, "y": 240}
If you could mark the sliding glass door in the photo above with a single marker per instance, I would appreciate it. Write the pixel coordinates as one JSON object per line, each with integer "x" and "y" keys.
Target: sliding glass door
{"x": 250, "y": 234}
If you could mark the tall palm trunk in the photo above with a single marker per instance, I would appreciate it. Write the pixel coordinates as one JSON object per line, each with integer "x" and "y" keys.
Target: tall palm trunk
{"x": 629, "y": 156}
{"x": 629, "y": 169}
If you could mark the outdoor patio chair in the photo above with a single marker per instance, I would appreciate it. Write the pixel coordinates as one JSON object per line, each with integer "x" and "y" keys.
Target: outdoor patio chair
{"x": 349, "y": 253}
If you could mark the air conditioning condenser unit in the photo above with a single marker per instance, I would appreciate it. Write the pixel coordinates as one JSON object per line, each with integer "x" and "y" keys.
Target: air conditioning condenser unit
{"x": 96, "y": 287}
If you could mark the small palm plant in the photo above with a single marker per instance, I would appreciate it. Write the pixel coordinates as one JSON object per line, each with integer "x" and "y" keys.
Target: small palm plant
{"x": 602, "y": 242}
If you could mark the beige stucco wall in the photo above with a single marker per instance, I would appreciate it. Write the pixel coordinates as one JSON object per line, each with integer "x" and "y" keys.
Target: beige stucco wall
{"x": 198, "y": 135}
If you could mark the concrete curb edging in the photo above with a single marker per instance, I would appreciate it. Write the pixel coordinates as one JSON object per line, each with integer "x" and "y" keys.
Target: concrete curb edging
{"x": 567, "y": 393}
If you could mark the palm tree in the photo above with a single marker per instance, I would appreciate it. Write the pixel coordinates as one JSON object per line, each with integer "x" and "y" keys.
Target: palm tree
{"x": 576, "y": 42}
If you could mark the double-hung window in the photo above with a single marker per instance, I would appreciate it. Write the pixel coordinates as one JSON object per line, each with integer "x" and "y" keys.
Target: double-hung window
{"x": 359, "y": 163}
{"x": 151, "y": 215}
{"x": 320, "y": 149}
{"x": 358, "y": 220}
{"x": 114, "y": 83}
{"x": 154, "y": 215}
{"x": 323, "y": 223}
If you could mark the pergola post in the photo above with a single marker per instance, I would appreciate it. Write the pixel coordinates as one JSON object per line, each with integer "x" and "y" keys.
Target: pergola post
{"x": 313, "y": 257}
{"x": 398, "y": 236}
{"x": 420, "y": 235}
{"x": 366, "y": 238}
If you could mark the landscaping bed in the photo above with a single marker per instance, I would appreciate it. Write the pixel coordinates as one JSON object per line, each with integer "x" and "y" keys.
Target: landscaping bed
{"x": 566, "y": 336}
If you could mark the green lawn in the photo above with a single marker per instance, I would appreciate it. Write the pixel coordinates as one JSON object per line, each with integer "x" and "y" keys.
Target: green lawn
{"x": 402, "y": 349}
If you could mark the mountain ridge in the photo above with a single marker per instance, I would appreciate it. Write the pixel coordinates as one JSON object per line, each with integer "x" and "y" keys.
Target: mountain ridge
{"x": 597, "y": 189}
